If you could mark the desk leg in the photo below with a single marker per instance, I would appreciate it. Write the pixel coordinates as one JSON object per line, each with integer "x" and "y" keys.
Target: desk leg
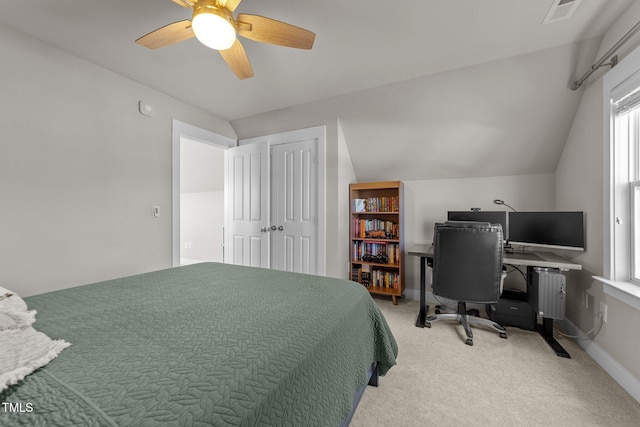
{"x": 547, "y": 333}
{"x": 422, "y": 314}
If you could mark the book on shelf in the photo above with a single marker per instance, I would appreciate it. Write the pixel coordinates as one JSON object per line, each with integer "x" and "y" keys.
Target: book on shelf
{"x": 355, "y": 274}
{"x": 385, "y": 279}
{"x": 376, "y": 204}
{"x": 365, "y": 278}
{"x": 382, "y": 252}
{"x": 375, "y": 228}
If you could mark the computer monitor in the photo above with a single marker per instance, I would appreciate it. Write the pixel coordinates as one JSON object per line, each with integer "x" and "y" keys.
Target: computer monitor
{"x": 492, "y": 217}
{"x": 562, "y": 230}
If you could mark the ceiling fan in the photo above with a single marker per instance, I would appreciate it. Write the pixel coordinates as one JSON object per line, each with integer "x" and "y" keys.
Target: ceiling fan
{"x": 214, "y": 26}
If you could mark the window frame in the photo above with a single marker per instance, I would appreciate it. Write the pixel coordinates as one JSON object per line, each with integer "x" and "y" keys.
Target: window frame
{"x": 625, "y": 116}
{"x": 634, "y": 203}
{"x": 616, "y": 278}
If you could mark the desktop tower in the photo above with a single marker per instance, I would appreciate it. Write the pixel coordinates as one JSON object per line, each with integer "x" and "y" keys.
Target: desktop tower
{"x": 547, "y": 292}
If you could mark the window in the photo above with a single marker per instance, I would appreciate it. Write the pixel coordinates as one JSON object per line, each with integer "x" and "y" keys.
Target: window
{"x": 626, "y": 180}
{"x": 621, "y": 233}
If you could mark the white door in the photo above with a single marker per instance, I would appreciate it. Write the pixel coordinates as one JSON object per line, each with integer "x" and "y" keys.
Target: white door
{"x": 294, "y": 197}
{"x": 248, "y": 205}
{"x": 295, "y": 188}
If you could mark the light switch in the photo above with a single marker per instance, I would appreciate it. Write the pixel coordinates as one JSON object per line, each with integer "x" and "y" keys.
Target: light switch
{"x": 155, "y": 210}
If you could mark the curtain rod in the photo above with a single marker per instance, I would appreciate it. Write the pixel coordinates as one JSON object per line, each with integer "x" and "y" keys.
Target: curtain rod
{"x": 600, "y": 62}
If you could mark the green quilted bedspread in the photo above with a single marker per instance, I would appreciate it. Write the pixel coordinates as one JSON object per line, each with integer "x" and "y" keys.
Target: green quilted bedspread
{"x": 206, "y": 344}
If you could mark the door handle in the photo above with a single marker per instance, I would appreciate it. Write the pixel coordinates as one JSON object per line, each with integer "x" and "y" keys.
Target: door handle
{"x": 273, "y": 228}
{"x": 281, "y": 228}
{"x": 264, "y": 229}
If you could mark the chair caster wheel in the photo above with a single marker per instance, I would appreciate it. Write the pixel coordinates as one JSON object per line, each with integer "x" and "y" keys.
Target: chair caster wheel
{"x": 469, "y": 341}
{"x": 503, "y": 335}
{"x": 427, "y": 324}
{"x": 437, "y": 311}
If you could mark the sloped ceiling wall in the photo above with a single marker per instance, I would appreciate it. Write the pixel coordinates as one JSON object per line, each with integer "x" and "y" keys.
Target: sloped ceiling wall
{"x": 500, "y": 118}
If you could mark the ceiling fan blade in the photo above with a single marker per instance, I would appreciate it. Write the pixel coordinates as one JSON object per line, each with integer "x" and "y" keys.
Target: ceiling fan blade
{"x": 230, "y": 4}
{"x": 184, "y": 3}
{"x": 236, "y": 58}
{"x": 167, "y": 35}
{"x": 267, "y": 30}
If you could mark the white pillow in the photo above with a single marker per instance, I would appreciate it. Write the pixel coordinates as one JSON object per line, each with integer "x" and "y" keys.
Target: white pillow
{"x": 22, "y": 351}
{"x": 16, "y": 309}
{"x": 22, "y": 348}
{"x": 14, "y": 302}
{"x": 7, "y": 322}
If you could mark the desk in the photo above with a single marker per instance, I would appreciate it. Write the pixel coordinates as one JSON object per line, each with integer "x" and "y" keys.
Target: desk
{"x": 528, "y": 259}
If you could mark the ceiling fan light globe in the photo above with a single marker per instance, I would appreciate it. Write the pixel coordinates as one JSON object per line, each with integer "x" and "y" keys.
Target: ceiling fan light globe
{"x": 214, "y": 28}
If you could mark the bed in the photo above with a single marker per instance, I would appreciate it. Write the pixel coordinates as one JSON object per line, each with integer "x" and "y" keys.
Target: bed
{"x": 205, "y": 344}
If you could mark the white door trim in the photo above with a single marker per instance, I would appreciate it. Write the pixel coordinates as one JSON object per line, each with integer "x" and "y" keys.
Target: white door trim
{"x": 178, "y": 130}
{"x": 319, "y": 133}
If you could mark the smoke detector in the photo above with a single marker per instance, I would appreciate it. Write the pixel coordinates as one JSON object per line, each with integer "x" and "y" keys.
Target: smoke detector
{"x": 561, "y": 10}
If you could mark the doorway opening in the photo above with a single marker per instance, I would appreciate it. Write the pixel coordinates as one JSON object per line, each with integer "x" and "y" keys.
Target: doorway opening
{"x": 199, "y": 204}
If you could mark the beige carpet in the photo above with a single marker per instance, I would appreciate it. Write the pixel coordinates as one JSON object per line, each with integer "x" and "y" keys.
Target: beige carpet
{"x": 440, "y": 381}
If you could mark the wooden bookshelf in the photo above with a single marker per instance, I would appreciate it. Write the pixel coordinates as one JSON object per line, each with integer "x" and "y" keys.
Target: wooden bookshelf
{"x": 377, "y": 237}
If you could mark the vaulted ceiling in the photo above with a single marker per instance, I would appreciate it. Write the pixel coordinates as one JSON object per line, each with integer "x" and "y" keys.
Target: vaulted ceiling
{"x": 444, "y": 88}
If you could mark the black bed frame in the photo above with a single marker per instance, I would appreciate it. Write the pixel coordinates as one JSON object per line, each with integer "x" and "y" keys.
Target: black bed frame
{"x": 373, "y": 381}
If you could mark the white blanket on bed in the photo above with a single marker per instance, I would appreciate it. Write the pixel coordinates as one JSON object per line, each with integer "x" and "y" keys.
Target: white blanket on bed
{"x": 22, "y": 348}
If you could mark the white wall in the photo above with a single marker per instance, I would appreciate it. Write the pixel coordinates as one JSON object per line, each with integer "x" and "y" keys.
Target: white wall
{"x": 201, "y": 223}
{"x": 580, "y": 178}
{"x": 80, "y": 168}
{"x": 201, "y": 201}
{"x": 346, "y": 176}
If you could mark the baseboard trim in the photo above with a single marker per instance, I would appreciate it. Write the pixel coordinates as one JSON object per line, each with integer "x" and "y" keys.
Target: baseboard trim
{"x": 412, "y": 294}
{"x": 618, "y": 372}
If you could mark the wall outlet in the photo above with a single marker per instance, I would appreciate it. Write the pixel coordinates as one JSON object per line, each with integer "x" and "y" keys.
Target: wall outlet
{"x": 603, "y": 310}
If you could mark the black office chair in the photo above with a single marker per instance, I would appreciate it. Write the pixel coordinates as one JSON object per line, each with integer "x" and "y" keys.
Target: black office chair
{"x": 467, "y": 267}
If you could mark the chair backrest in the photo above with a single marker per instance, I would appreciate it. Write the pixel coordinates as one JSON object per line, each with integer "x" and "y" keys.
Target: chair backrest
{"x": 467, "y": 261}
